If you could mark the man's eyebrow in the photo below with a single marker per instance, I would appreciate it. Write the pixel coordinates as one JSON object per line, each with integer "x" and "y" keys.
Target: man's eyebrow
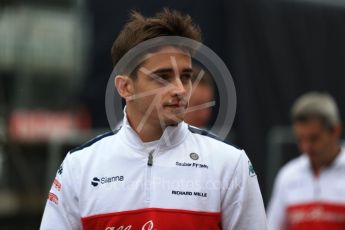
{"x": 169, "y": 70}
{"x": 187, "y": 70}
{"x": 163, "y": 70}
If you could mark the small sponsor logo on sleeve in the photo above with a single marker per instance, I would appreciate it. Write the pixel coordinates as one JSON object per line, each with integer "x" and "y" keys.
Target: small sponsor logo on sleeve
{"x": 53, "y": 198}
{"x": 60, "y": 170}
{"x": 251, "y": 169}
{"x": 57, "y": 184}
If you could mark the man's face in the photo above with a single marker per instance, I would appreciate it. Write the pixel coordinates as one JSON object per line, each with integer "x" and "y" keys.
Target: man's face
{"x": 315, "y": 139}
{"x": 163, "y": 86}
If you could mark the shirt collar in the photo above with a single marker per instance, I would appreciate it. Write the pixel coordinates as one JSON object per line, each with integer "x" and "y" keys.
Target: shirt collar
{"x": 172, "y": 135}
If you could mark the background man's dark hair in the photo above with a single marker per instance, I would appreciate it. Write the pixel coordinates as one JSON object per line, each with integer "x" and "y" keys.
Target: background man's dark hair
{"x": 139, "y": 28}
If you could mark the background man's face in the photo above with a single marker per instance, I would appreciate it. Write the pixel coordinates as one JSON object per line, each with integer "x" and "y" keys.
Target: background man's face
{"x": 201, "y": 94}
{"x": 166, "y": 77}
{"x": 315, "y": 139}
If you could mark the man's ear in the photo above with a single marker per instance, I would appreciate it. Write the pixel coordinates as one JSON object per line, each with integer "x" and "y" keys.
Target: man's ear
{"x": 124, "y": 85}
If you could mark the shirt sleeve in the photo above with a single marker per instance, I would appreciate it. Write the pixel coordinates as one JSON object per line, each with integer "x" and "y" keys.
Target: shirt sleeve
{"x": 242, "y": 205}
{"x": 276, "y": 207}
{"x": 61, "y": 210}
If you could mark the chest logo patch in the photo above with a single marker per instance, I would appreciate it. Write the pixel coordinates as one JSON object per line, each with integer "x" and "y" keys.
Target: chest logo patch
{"x": 194, "y": 156}
{"x": 105, "y": 180}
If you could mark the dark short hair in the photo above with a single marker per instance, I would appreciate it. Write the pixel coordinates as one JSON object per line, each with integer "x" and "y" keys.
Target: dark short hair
{"x": 139, "y": 28}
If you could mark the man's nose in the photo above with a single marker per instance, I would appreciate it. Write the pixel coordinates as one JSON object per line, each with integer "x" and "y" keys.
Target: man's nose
{"x": 178, "y": 87}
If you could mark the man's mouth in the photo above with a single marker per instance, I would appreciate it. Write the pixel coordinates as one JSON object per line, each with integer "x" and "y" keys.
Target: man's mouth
{"x": 177, "y": 105}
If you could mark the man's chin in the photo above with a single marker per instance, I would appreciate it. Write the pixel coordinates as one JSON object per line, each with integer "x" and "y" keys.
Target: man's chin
{"x": 314, "y": 157}
{"x": 173, "y": 120}
{"x": 171, "y": 116}
{"x": 172, "y": 124}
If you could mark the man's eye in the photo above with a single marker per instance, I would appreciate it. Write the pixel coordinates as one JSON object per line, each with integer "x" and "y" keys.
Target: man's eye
{"x": 164, "y": 77}
{"x": 186, "y": 76}
{"x": 161, "y": 78}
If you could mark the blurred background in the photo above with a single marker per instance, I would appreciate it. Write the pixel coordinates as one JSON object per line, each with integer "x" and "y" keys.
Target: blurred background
{"x": 55, "y": 63}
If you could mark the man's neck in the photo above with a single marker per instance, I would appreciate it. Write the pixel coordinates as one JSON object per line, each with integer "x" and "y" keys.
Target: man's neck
{"x": 148, "y": 131}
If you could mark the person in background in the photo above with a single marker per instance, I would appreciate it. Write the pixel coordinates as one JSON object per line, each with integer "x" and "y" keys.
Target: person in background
{"x": 202, "y": 99}
{"x": 309, "y": 192}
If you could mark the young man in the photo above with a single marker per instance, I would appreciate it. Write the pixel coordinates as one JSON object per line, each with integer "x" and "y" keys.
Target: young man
{"x": 155, "y": 172}
{"x": 309, "y": 192}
